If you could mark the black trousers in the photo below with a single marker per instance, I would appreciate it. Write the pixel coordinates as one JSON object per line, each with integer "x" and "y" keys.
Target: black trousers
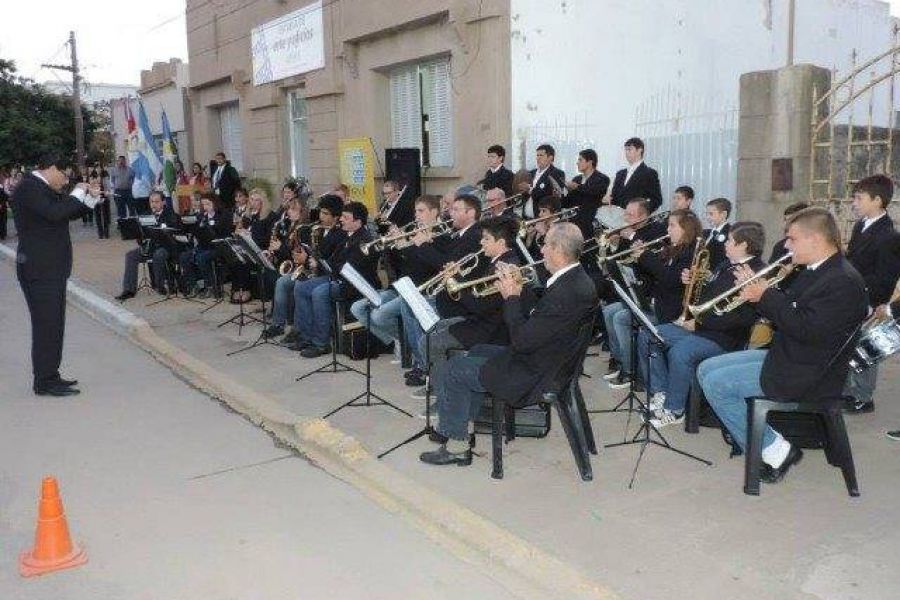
{"x": 3, "y": 217}
{"x": 46, "y": 300}
{"x": 101, "y": 217}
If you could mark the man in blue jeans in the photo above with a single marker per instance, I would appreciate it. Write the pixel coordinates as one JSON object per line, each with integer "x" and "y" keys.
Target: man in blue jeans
{"x": 314, "y": 298}
{"x": 814, "y": 318}
{"x": 691, "y": 341}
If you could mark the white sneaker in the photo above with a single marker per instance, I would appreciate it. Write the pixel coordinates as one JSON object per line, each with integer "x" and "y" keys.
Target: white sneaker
{"x": 664, "y": 418}
{"x": 657, "y": 401}
{"x": 398, "y": 353}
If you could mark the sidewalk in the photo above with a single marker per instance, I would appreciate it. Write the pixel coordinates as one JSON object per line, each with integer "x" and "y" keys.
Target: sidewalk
{"x": 685, "y": 530}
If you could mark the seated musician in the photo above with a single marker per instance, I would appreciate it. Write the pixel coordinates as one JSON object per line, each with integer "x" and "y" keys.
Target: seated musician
{"x": 536, "y": 233}
{"x": 214, "y": 223}
{"x": 690, "y": 341}
{"x": 314, "y": 298}
{"x": 258, "y": 220}
{"x": 241, "y": 203}
{"x": 475, "y": 320}
{"x": 495, "y": 203}
{"x": 538, "y": 330}
{"x": 385, "y": 321}
{"x": 637, "y": 211}
{"x": 585, "y": 191}
{"x": 330, "y": 207}
{"x": 683, "y": 198}
{"x": 813, "y": 319}
{"x": 165, "y": 217}
{"x": 437, "y": 252}
{"x": 778, "y": 250}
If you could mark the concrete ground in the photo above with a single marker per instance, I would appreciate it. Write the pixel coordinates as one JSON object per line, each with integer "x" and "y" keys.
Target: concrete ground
{"x": 685, "y": 531}
{"x": 175, "y": 497}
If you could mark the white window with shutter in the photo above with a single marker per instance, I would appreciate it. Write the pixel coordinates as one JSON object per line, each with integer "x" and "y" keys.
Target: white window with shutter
{"x": 421, "y": 111}
{"x": 232, "y": 139}
{"x": 298, "y": 134}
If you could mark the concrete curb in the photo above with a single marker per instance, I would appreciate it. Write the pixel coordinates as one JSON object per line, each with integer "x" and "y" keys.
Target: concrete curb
{"x": 523, "y": 568}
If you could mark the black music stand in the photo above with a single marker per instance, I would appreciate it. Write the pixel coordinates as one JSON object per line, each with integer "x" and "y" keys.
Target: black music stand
{"x": 427, "y": 319}
{"x": 333, "y": 366}
{"x": 643, "y": 434}
{"x": 235, "y": 254}
{"x": 374, "y": 301}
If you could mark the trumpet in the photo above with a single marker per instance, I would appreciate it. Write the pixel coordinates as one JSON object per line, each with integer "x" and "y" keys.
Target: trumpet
{"x": 700, "y": 273}
{"x": 513, "y": 202}
{"x": 387, "y": 242}
{"x": 626, "y": 254}
{"x": 563, "y": 215}
{"x": 602, "y": 241}
{"x": 463, "y": 267}
{"x": 488, "y": 286}
{"x": 731, "y": 299}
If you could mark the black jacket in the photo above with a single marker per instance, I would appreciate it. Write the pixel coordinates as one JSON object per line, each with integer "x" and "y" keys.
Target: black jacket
{"x": 732, "y": 329}
{"x": 331, "y": 242}
{"x": 209, "y": 229}
{"x": 875, "y": 253}
{"x": 171, "y": 220}
{"x": 404, "y": 211}
{"x": 542, "y": 188}
{"x": 812, "y": 319}
{"x": 716, "y": 245}
{"x": 502, "y": 179}
{"x": 587, "y": 198}
{"x": 667, "y": 288}
{"x": 644, "y": 183}
{"x": 448, "y": 248}
{"x": 468, "y": 243}
{"x": 484, "y": 322}
{"x": 778, "y": 250}
{"x": 42, "y": 222}
{"x": 538, "y": 330}
{"x": 228, "y": 183}
{"x": 349, "y": 252}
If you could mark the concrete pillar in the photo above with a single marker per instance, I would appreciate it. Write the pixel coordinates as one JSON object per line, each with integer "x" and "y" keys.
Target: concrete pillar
{"x": 774, "y": 147}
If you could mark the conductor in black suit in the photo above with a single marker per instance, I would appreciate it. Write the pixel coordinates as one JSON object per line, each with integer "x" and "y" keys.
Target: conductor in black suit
{"x": 225, "y": 180}
{"x": 586, "y": 191}
{"x": 538, "y": 329}
{"x": 541, "y": 185}
{"x": 637, "y": 180}
{"x": 497, "y": 175}
{"x": 44, "y": 262}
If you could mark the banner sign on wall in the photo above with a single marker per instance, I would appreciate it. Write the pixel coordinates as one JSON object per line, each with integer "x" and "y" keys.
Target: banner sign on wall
{"x": 289, "y": 45}
{"x": 358, "y": 169}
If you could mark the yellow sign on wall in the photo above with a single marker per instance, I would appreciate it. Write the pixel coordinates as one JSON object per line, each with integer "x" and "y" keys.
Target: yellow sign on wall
{"x": 358, "y": 169}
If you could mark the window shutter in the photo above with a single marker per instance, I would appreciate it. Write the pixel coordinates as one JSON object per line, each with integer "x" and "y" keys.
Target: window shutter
{"x": 405, "y": 114}
{"x": 439, "y": 111}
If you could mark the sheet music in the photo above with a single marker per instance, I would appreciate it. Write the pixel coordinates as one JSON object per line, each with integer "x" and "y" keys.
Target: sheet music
{"x": 362, "y": 286}
{"x": 636, "y": 311}
{"x": 189, "y": 219}
{"x": 248, "y": 239}
{"x": 147, "y": 221}
{"x": 422, "y": 310}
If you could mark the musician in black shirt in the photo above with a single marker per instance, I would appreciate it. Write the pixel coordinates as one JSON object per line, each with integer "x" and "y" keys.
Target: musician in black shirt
{"x": 164, "y": 217}
{"x": 214, "y": 223}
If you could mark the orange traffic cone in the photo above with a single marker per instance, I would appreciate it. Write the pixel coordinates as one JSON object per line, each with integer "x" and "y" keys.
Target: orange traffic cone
{"x": 53, "y": 548}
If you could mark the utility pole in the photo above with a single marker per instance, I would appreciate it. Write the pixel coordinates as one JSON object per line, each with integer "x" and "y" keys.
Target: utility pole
{"x": 76, "y": 100}
{"x": 792, "y": 9}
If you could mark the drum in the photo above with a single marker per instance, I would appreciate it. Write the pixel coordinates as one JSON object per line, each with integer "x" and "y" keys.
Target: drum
{"x": 878, "y": 341}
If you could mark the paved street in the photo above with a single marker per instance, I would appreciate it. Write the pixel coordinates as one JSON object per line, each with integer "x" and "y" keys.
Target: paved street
{"x": 176, "y": 498}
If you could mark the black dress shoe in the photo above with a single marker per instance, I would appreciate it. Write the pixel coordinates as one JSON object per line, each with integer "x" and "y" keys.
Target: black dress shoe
{"x": 773, "y": 475}
{"x": 125, "y": 296}
{"x": 55, "y": 389}
{"x": 416, "y": 380}
{"x": 313, "y": 351}
{"x": 289, "y": 338}
{"x": 854, "y": 406}
{"x": 300, "y": 345}
{"x": 274, "y": 331}
{"x": 66, "y": 382}
{"x": 442, "y": 457}
{"x": 437, "y": 437}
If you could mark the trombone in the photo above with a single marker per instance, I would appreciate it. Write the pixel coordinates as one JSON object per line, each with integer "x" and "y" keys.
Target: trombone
{"x": 563, "y": 215}
{"x": 602, "y": 240}
{"x": 409, "y": 231}
{"x": 626, "y": 254}
{"x": 488, "y": 286}
{"x": 512, "y": 202}
{"x": 463, "y": 267}
{"x": 731, "y": 299}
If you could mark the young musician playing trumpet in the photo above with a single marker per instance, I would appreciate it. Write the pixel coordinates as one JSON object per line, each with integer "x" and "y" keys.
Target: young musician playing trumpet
{"x": 695, "y": 339}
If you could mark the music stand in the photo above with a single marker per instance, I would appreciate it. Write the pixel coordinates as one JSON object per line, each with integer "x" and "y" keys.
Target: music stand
{"x": 169, "y": 239}
{"x": 130, "y": 229}
{"x": 235, "y": 254}
{"x": 352, "y": 276}
{"x": 427, "y": 319}
{"x": 642, "y": 436}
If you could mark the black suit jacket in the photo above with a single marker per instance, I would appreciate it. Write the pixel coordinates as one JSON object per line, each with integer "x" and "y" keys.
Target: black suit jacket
{"x": 209, "y": 229}
{"x": 502, "y": 179}
{"x": 42, "y": 222}
{"x": 404, "y": 211}
{"x": 227, "y": 184}
{"x": 778, "y": 250}
{"x": 586, "y": 198}
{"x": 732, "y": 329}
{"x": 349, "y": 252}
{"x": 539, "y": 329}
{"x": 666, "y": 286}
{"x": 812, "y": 319}
{"x": 644, "y": 183}
{"x": 716, "y": 245}
{"x": 876, "y": 255}
{"x": 542, "y": 188}
{"x": 484, "y": 322}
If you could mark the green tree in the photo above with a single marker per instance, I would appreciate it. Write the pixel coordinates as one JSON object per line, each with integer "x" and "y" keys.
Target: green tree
{"x": 33, "y": 121}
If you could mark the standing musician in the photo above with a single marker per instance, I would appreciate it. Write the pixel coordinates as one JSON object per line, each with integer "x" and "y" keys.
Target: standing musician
{"x": 779, "y": 250}
{"x": 214, "y": 224}
{"x": 637, "y": 180}
{"x": 541, "y": 185}
{"x": 385, "y": 319}
{"x": 314, "y": 298}
{"x": 497, "y": 175}
{"x": 717, "y": 212}
{"x": 164, "y": 217}
{"x": 636, "y": 214}
{"x": 695, "y": 339}
{"x": 874, "y": 250}
{"x": 44, "y": 263}
{"x": 539, "y": 329}
{"x": 662, "y": 284}
{"x": 683, "y": 198}
{"x": 813, "y": 320}
{"x": 586, "y": 191}
{"x": 480, "y": 320}
{"x": 330, "y": 207}
{"x": 259, "y": 221}
{"x": 437, "y": 253}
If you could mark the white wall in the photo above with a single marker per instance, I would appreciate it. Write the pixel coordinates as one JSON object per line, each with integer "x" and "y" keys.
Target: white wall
{"x": 586, "y": 65}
